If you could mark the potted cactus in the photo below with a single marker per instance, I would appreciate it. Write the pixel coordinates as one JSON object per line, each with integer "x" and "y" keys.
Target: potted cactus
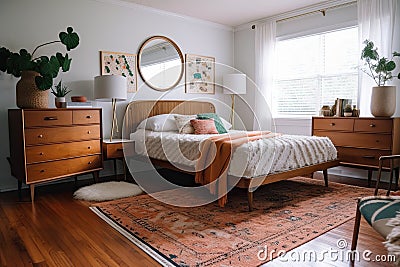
{"x": 37, "y": 73}
{"x": 60, "y": 91}
{"x": 383, "y": 98}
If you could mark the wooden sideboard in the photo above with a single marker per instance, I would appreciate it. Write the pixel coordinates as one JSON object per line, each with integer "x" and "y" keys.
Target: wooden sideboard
{"x": 51, "y": 144}
{"x": 361, "y": 141}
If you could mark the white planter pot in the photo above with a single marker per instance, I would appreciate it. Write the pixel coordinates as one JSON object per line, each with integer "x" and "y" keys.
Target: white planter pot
{"x": 60, "y": 102}
{"x": 383, "y": 101}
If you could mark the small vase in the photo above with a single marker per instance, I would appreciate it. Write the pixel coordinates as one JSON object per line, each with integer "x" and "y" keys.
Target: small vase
{"x": 60, "y": 102}
{"x": 383, "y": 101}
{"x": 27, "y": 93}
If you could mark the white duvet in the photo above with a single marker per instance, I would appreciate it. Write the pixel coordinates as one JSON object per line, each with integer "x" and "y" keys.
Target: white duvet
{"x": 253, "y": 159}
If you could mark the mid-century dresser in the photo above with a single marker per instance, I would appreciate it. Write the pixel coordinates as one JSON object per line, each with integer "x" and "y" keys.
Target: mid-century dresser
{"x": 361, "y": 141}
{"x": 51, "y": 144}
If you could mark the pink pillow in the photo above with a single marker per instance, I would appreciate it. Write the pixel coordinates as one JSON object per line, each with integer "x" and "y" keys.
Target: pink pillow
{"x": 204, "y": 126}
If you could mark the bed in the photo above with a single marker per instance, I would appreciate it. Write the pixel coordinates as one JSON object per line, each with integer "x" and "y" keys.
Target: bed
{"x": 137, "y": 111}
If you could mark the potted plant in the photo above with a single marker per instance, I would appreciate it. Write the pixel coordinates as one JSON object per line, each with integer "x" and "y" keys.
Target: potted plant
{"x": 383, "y": 98}
{"x": 60, "y": 91}
{"x": 37, "y": 73}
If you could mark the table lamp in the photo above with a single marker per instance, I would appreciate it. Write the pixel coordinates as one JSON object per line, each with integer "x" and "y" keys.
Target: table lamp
{"x": 234, "y": 84}
{"x": 111, "y": 88}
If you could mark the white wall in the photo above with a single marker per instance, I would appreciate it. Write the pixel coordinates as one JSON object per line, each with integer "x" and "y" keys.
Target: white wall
{"x": 107, "y": 25}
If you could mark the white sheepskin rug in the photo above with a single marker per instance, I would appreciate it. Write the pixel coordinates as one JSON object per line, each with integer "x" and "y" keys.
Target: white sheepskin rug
{"x": 107, "y": 191}
{"x": 393, "y": 239}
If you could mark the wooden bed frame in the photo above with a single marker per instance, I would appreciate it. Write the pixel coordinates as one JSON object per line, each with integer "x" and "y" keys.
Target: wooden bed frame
{"x": 139, "y": 110}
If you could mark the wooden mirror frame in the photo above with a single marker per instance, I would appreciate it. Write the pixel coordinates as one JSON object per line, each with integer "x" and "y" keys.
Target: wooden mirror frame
{"x": 178, "y": 50}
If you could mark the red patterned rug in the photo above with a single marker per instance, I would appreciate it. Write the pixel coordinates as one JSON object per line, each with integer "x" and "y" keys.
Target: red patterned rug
{"x": 287, "y": 214}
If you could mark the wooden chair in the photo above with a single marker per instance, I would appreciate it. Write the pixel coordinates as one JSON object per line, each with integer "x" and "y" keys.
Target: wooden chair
{"x": 377, "y": 210}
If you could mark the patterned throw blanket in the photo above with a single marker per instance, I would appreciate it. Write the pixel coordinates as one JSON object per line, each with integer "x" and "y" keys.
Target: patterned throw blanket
{"x": 216, "y": 151}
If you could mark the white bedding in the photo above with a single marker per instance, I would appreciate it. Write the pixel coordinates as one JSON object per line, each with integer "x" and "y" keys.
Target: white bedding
{"x": 253, "y": 159}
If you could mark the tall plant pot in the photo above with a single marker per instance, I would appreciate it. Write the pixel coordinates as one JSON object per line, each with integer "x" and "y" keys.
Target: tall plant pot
{"x": 383, "y": 101}
{"x": 28, "y": 95}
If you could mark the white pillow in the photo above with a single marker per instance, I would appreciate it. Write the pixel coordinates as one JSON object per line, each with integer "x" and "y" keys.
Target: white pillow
{"x": 182, "y": 122}
{"x": 226, "y": 124}
{"x": 159, "y": 123}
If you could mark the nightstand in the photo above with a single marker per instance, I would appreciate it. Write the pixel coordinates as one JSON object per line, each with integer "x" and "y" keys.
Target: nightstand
{"x": 113, "y": 150}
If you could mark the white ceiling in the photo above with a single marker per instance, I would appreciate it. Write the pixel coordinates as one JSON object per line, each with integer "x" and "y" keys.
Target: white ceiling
{"x": 227, "y": 12}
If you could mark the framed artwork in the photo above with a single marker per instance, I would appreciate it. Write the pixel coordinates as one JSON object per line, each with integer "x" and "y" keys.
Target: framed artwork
{"x": 116, "y": 63}
{"x": 200, "y": 74}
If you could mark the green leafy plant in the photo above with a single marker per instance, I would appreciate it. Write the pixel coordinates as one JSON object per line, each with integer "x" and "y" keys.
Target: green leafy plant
{"x": 60, "y": 90}
{"x": 380, "y": 69}
{"x": 48, "y": 68}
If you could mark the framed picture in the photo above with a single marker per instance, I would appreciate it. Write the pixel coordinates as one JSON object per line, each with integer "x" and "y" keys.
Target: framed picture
{"x": 116, "y": 63}
{"x": 200, "y": 74}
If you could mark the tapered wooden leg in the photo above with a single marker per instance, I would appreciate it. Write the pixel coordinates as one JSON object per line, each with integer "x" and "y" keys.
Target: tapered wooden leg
{"x": 32, "y": 187}
{"x": 115, "y": 168}
{"x": 250, "y": 200}
{"x": 369, "y": 177}
{"x": 396, "y": 180}
{"x": 356, "y": 229}
{"x": 19, "y": 190}
{"x": 378, "y": 179}
{"x": 390, "y": 182}
{"x": 95, "y": 176}
{"x": 325, "y": 172}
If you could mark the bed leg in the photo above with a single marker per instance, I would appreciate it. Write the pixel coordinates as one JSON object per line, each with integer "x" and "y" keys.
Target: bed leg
{"x": 250, "y": 200}
{"x": 325, "y": 177}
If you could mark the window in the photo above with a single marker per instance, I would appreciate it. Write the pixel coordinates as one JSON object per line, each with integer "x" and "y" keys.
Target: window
{"x": 313, "y": 71}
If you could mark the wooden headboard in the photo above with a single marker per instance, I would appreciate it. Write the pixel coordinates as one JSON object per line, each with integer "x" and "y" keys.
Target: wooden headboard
{"x": 137, "y": 111}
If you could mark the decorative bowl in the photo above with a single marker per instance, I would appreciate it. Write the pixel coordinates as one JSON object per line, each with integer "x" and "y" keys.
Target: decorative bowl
{"x": 79, "y": 98}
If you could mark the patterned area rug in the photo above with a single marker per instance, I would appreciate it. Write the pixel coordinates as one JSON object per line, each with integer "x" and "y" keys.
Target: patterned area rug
{"x": 287, "y": 214}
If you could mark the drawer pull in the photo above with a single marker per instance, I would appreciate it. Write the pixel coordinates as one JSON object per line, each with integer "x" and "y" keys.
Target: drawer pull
{"x": 368, "y": 157}
{"x": 89, "y": 162}
{"x": 88, "y": 117}
{"x": 50, "y": 118}
{"x": 41, "y": 153}
{"x": 42, "y": 171}
{"x": 40, "y": 136}
{"x": 89, "y": 147}
{"x": 88, "y": 132}
{"x": 332, "y": 124}
{"x": 372, "y": 125}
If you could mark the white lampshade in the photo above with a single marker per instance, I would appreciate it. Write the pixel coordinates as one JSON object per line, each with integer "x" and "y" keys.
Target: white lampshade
{"x": 234, "y": 84}
{"x": 109, "y": 87}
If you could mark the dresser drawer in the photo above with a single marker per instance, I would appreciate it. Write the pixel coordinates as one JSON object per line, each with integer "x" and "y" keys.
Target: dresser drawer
{"x": 358, "y": 140}
{"x": 40, "y": 118}
{"x": 333, "y": 124}
{"x": 55, "y": 169}
{"x": 373, "y": 126}
{"x": 61, "y": 134}
{"x": 35, "y": 154}
{"x": 86, "y": 116}
{"x": 361, "y": 156}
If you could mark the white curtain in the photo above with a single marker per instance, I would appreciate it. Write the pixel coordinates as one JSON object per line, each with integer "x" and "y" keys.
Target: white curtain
{"x": 265, "y": 38}
{"x": 376, "y": 22}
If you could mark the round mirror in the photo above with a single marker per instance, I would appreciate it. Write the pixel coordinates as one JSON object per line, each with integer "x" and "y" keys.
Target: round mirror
{"x": 160, "y": 63}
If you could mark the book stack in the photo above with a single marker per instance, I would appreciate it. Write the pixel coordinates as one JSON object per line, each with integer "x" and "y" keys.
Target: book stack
{"x": 340, "y": 105}
{"x": 79, "y": 105}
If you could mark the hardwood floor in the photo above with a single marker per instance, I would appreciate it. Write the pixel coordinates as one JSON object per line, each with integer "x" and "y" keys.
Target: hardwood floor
{"x": 59, "y": 231}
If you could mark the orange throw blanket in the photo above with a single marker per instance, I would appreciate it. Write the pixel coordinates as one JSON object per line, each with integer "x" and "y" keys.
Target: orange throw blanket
{"x": 212, "y": 166}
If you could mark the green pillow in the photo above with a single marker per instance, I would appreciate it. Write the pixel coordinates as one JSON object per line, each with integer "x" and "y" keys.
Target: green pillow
{"x": 217, "y": 121}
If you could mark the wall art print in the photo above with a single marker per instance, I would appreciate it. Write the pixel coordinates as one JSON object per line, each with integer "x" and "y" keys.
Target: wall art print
{"x": 200, "y": 74}
{"x": 117, "y": 63}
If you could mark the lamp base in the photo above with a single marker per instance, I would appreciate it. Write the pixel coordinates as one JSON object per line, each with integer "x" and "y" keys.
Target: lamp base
{"x": 232, "y": 110}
